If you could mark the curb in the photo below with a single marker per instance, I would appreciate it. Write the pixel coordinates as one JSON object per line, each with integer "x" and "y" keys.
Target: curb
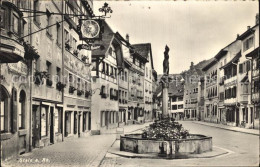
{"x": 226, "y": 128}
{"x": 153, "y": 156}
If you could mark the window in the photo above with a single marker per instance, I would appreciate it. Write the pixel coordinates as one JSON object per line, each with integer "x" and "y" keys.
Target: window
{"x": 48, "y": 28}
{"x": 107, "y": 71}
{"x": 180, "y": 106}
{"x": 248, "y": 43}
{"x": 74, "y": 43}
{"x": 248, "y": 66}
{"x": 245, "y": 88}
{"x": 2, "y": 16}
{"x": 115, "y": 72}
{"x": 78, "y": 84}
{"x": 48, "y": 67}
{"x": 240, "y": 68}
{"x": 2, "y": 114}
{"x": 125, "y": 76}
{"x": 44, "y": 127}
{"x": 174, "y": 107}
{"x": 58, "y": 73}
{"x": 58, "y": 120}
{"x": 36, "y": 8}
{"x": 21, "y": 111}
{"x": 15, "y": 24}
{"x": 58, "y": 26}
{"x": 70, "y": 80}
{"x": 67, "y": 36}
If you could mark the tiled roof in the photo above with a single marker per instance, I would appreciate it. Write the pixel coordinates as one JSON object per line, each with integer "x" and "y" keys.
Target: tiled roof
{"x": 142, "y": 49}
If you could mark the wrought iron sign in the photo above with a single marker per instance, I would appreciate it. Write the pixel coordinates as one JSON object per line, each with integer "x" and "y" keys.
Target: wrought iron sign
{"x": 90, "y": 29}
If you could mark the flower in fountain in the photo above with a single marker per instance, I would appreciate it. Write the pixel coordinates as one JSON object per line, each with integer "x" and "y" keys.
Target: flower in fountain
{"x": 165, "y": 129}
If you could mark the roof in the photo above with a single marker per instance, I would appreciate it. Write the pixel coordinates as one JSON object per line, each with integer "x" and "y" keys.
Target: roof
{"x": 221, "y": 53}
{"x": 107, "y": 38}
{"x": 212, "y": 62}
{"x": 238, "y": 55}
{"x": 143, "y": 50}
{"x": 255, "y": 52}
{"x": 247, "y": 33}
{"x": 176, "y": 86}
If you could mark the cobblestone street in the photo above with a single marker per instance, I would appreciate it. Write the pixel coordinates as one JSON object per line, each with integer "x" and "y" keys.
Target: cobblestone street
{"x": 85, "y": 151}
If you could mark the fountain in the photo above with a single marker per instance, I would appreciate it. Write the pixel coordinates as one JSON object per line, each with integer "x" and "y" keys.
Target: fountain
{"x": 166, "y": 137}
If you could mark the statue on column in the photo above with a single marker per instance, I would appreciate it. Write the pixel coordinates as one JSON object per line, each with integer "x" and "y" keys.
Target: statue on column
{"x": 166, "y": 61}
{"x": 164, "y": 79}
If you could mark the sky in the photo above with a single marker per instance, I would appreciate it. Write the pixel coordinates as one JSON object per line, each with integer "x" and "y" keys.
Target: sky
{"x": 194, "y": 31}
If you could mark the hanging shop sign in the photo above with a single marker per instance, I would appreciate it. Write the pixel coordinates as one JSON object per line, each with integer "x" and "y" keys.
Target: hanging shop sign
{"x": 90, "y": 47}
{"x": 90, "y": 29}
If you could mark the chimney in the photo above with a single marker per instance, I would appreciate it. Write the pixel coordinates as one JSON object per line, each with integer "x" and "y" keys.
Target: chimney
{"x": 257, "y": 18}
{"x": 248, "y": 27}
{"x": 237, "y": 36}
{"x": 191, "y": 65}
{"x": 127, "y": 37}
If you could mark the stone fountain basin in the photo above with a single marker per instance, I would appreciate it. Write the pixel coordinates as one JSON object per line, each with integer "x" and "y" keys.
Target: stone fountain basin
{"x": 195, "y": 144}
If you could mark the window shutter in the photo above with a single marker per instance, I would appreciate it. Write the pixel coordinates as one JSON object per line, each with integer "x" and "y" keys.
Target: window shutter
{"x": 14, "y": 111}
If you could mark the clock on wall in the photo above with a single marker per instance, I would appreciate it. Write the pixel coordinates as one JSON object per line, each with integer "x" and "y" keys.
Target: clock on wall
{"x": 90, "y": 29}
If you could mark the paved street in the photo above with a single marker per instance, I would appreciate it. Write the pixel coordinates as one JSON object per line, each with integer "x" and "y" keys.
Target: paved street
{"x": 89, "y": 151}
{"x": 85, "y": 151}
{"x": 241, "y": 151}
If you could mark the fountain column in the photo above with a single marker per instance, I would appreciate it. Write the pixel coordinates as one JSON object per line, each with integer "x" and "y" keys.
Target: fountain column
{"x": 165, "y": 97}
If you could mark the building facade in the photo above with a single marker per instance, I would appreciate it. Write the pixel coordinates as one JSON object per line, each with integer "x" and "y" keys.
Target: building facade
{"x": 145, "y": 50}
{"x": 14, "y": 87}
{"x": 191, "y": 91}
{"x": 107, "y": 66}
{"x": 248, "y": 112}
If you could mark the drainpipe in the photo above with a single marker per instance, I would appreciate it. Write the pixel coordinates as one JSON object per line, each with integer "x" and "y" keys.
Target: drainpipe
{"x": 30, "y": 82}
{"x": 62, "y": 70}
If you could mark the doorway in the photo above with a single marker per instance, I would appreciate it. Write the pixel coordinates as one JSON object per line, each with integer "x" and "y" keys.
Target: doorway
{"x": 79, "y": 125}
{"x": 35, "y": 126}
{"x": 51, "y": 126}
{"x": 89, "y": 121}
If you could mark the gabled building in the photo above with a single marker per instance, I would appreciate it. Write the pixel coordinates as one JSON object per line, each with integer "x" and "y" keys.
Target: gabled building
{"x": 192, "y": 79}
{"x": 145, "y": 50}
{"x": 227, "y": 70}
{"x": 136, "y": 87}
{"x": 77, "y": 74}
{"x": 108, "y": 64}
{"x": 176, "y": 93}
